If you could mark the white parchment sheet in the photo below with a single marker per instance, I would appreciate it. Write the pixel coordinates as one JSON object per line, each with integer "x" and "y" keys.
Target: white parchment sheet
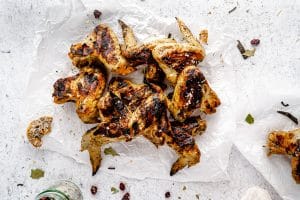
{"x": 139, "y": 158}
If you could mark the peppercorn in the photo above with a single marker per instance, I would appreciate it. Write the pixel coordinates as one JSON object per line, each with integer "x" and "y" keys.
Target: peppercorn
{"x": 167, "y": 194}
{"x": 97, "y": 14}
{"x": 255, "y": 42}
{"x": 94, "y": 190}
{"x": 126, "y": 196}
{"x": 122, "y": 186}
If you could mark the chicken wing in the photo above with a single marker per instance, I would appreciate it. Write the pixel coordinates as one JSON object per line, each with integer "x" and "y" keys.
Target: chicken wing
{"x": 85, "y": 89}
{"x": 192, "y": 92}
{"x": 102, "y": 46}
{"x": 287, "y": 143}
{"x": 174, "y": 57}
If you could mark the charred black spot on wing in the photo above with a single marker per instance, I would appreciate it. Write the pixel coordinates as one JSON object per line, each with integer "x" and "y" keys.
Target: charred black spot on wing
{"x": 119, "y": 81}
{"x": 181, "y": 137}
{"x": 193, "y": 88}
{"x": 59, "y": 88}
{"x": 105, "y": 44}
{"x": 139, "y": 57}
{"x": 118, "y": 104}
{"x": 178, "y": 60}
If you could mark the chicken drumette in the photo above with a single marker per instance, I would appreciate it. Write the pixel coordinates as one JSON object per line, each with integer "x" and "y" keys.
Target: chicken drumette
{"x": 130, "y": 110}
{"x": 85, "y": 89}
{"x": 287, "y": 143}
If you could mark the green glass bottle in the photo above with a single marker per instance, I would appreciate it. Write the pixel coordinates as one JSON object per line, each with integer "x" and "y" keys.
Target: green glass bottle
{"x": 62, "y": 190}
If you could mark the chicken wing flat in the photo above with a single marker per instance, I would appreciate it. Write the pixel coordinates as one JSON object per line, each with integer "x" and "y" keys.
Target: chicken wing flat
{"x": 191, "y": 92}
{"x": 85, "y": 89}
{"x": 102, "y": 46}
{"x": 287, "y": 143}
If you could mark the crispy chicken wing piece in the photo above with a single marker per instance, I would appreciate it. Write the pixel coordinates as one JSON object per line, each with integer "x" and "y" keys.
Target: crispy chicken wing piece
{"x": 101, "y": 46}
{"x": 153, "y": 74}
{"x": 142, "y": 54}
{"x": 174, "y": 57}
{"x": 85, "y": 89}
{"x": 288, "y": 143}
{"x": 191, "y": 92}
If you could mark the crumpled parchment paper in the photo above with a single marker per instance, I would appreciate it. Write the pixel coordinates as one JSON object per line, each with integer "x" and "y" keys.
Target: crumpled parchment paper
{"x": 139, "y": 158}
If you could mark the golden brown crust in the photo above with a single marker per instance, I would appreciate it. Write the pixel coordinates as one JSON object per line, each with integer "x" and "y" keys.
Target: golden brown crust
{"x": 192, "y": 92}
{"x": 101, "y": 46}
{"x": 38, "y": 129}
{"x": 85, "y": 89}
{"x": 287, "y": 143}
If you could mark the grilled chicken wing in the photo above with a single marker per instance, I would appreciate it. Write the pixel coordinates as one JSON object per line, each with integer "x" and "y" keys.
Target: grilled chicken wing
{"x": 102, "y": 46}
{"x": 174, "y": 57}
{"x": 85, "y": 89}
{"x": 130, "y": 110}
{"x": 287, "y": 142}
{"x": 192, "y": 92}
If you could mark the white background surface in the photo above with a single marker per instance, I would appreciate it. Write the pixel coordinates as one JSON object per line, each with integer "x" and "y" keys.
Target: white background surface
{"x": 277, "y": 24}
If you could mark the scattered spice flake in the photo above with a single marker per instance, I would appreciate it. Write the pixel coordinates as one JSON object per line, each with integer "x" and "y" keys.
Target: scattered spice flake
{"x": 232, "y": 10}
{"x": 289, "y": 115}
{"x": 184, "y": 188}
{"x": 255, "y": 42}
{"x": 37, "y": 173}
{"x": 203, "y": 36}
{"x": 97, "y": 14}
{"x": 284, "y": 104}
{"x": 122, "y": 186}
{"x": 110, "y": 151}
{"x": 94, "y": 189}
{"x": 111, "y": 168}
{"x": 249, "y": 119}
{"x": 169, "y": 35}
{"x": 5, "y": 51}
{"x": 249, "y": 53}
{"x": 20, "y": 184}
{"x": 241, "y": 48}
{"x": 197, "y": 196}
{"x": 167, "y": 194}
{"x": 114, "y": 190}
{"x": 179, "y": 197}
{"x": 126, "y": 196}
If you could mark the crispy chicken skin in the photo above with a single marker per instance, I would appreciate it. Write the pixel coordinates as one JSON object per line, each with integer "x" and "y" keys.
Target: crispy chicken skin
{"x": 174, "y": 57}
{"x": 138, "y": 110}
{"x": 288, "y": 143}
{"x": 102, "y": 46}
{"x": 192, "y": 92}
{"x": 85, "y": 89}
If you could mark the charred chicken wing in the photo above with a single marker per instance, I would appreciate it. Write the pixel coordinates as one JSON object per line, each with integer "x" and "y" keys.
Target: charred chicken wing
{"x": 101, "y": 46}
{"x": 192, "y": 92}
{"x": 85, "y": 89}
{"x": 287, "y": 143}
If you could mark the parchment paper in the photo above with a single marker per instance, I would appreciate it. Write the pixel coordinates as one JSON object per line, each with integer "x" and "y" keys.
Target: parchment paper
{"x": 139, "y": 158}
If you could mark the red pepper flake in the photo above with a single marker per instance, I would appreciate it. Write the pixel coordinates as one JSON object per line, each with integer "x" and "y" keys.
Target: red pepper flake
{"x": 255, "y": 42}
{"x": 97, "y": 14}
{"x": 126, "y": 196}
{"x": 94, "y": 189}
{"x": 122, "y": 186}
{"x": 167, "y": 194}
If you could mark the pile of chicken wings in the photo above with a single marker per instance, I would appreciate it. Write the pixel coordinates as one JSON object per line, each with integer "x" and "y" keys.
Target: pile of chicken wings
{"x": 123, "y": 109}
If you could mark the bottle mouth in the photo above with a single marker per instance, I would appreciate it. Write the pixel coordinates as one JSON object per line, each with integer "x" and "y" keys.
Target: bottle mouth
{"x": 52, "y": 194}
